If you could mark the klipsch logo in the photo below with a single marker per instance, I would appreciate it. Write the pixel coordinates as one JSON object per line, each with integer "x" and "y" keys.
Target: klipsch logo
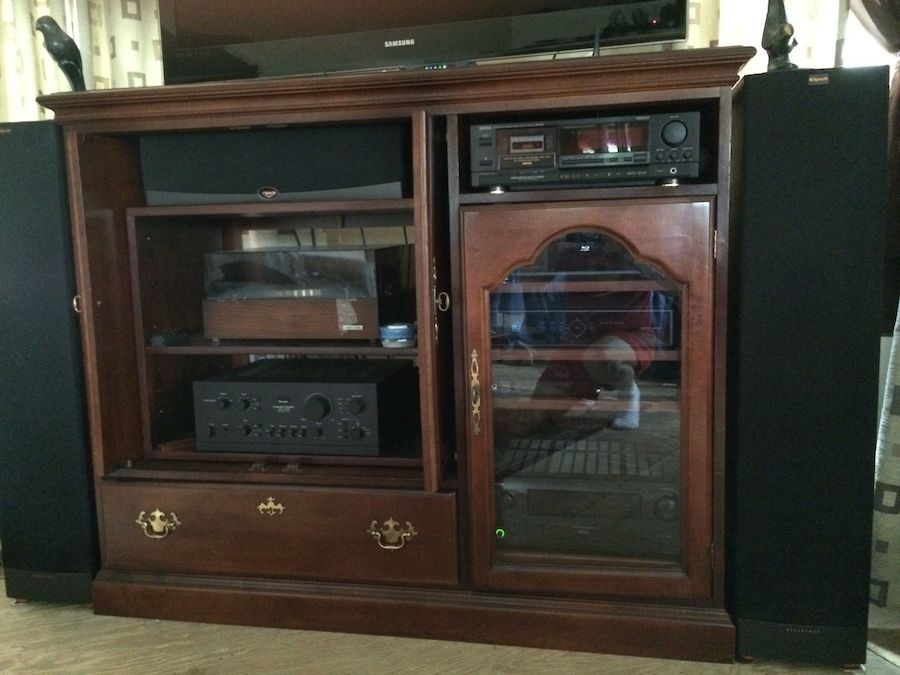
{"x": 268, "y": 192}
{"x": 408, "y": 42}
{"x": 803, "y": 631}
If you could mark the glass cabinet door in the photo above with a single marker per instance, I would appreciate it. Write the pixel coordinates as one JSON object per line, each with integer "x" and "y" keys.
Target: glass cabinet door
{"x": 589, "y": 350}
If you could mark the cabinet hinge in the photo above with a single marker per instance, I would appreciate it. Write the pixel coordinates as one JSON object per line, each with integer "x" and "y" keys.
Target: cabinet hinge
{"x": 715, "y": 244}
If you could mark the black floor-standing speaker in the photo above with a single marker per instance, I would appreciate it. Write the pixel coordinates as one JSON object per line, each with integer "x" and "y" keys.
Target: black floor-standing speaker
{"x": 805, "y": 278}
{"x": 47, "y": 523}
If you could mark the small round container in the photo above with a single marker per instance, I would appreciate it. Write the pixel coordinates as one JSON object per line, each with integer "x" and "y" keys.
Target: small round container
{"x": 397, "y": 335}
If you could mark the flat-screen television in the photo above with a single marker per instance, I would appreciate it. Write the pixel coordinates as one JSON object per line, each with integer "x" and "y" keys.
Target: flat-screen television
{"x": 236, "y": 39}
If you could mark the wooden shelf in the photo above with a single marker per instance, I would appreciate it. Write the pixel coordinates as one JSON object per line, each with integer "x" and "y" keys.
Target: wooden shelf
{"x": 588, "y": 193}
{"x": 581, "y": 407}
{"x": 275, "y": 208}
{"x": 203, "y": 346}
{"x": 544, "y": 354}
{"x": 596, "y": 286}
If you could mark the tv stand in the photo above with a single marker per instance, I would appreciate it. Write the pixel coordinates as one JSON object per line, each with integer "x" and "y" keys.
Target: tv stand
{"x": 474, "y": 532}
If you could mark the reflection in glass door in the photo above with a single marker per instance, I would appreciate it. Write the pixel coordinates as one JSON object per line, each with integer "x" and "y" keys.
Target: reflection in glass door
{"x": 585, "y": 382}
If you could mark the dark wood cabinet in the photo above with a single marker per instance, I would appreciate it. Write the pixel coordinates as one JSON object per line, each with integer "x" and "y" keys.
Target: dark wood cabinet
{"x": 563, "y": 485}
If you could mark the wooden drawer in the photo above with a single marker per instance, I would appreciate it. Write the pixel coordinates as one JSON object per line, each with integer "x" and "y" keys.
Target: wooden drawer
{"x": 284, "y": 532}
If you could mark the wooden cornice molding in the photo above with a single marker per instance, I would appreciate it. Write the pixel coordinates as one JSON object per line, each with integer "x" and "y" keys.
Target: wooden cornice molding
{"x": 349, "y": 96}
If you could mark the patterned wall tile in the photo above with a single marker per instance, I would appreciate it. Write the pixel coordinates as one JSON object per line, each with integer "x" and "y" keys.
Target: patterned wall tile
{"x": 131, "y": 9}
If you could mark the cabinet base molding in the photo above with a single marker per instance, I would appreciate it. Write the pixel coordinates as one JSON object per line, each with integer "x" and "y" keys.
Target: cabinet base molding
{"x": 695, "y": 634}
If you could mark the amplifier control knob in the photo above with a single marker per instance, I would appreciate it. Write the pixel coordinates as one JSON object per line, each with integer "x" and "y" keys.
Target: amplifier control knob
{"x": 318, "y": 432}
{"x": 355, "y": 406}
{"x": 355, "y": 433}
{"x": 223, "y": 402}
{"x": 316, "y": 407}
{"x": 674, "y": 132}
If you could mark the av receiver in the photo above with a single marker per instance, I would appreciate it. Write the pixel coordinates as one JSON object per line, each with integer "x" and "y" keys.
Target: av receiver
{"x": 587, "y": 496}
{"x": 358, "y": 407}
{"x": 635, "y": 149}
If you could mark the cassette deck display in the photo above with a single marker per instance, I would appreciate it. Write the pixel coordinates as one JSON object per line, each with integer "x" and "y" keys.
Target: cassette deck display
{"x": 635, "y": 149}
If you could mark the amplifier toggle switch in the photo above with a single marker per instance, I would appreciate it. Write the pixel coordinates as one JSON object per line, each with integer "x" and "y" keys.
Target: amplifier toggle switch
{"x": 356, "y": 405}
{"x": 248, "y": 403}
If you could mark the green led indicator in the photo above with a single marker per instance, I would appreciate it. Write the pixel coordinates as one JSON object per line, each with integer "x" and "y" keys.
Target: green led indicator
{"x": 500, "y": 532}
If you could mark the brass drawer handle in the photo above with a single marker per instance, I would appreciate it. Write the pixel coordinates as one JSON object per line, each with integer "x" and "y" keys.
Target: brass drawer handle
{"x": 389, "y": 536}
{"x": 270, "y": 508}
{"x": 157, "y": 525}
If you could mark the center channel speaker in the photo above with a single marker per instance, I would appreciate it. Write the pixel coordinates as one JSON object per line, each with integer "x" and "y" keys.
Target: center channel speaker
{"x": 340, "y": 161}
{"x": 805, "y": 271}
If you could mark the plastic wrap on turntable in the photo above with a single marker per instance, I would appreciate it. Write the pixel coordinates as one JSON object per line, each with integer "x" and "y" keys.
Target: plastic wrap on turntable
{"x": 318, "y": 293}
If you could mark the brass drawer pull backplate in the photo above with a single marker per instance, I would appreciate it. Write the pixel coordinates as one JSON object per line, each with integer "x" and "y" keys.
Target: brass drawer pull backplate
{"x": 389, "y": 536}
{"x": 270, "y": 507}
{"x": 157, "y": 525}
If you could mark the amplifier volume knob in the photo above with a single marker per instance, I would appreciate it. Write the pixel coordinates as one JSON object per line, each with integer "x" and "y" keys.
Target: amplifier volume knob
{"x": 223, "y": 402}
{"x": 355, "y": 433}
{"x": 316, "y": 407}
{"x": 674, "y": 133}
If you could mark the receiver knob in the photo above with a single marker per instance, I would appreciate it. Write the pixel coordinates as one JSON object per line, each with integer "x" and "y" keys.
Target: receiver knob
{"x": 355, "y": 406}
{"x": 223, "y": 402}
{"x": 674, "y": 132}
{"x": 316, "y": 407}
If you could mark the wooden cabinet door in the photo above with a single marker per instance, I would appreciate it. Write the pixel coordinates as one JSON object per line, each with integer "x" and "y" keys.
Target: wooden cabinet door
{"x": 589, "y": 351}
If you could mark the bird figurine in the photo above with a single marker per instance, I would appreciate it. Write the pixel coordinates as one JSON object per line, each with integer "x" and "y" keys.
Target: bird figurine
{"x": 778, "y": 37}
{"x": 63, "y": 50}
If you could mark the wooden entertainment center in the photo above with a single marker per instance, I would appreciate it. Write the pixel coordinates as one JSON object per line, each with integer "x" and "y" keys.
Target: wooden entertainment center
{"x": 483, "y": 531}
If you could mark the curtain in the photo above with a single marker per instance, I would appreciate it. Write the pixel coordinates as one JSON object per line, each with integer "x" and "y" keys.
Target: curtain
{"x": 882, "y": 20}
{"x": 118, "y": 39}
{"x": 885, "y": 586}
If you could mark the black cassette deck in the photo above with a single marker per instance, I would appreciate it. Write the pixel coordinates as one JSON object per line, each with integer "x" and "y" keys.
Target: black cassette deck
{"x": 631, "y": 150}
{"x": 356, "y": 407}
